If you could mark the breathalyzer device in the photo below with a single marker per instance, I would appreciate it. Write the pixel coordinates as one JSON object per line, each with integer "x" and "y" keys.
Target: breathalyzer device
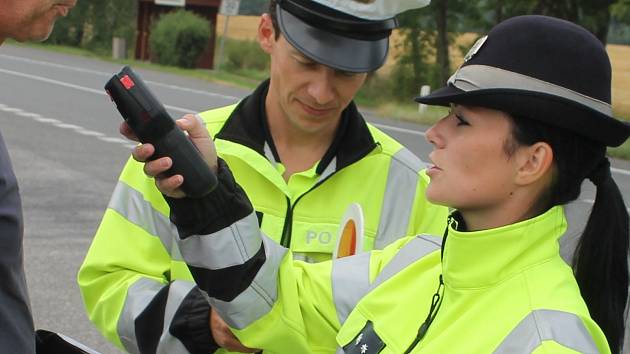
{"x": 148, "y": 119}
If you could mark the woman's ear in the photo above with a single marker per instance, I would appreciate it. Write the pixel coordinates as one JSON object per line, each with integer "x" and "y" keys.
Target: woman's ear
{"x": 266, "y": 33}
{"x": 534, "y": 163}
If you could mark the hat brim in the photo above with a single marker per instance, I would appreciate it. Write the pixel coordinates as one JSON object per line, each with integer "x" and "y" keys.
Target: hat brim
{"x": 333, "y": 50}
{"x": 546, "y": 108}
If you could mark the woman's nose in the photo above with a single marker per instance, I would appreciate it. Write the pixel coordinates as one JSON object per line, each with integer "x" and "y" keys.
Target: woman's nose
{"x": 433, "y": 135}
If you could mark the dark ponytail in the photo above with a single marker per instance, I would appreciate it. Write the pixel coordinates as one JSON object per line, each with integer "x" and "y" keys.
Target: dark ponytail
{"x": 600, "y": 262}
{"x": 601, "y": 258}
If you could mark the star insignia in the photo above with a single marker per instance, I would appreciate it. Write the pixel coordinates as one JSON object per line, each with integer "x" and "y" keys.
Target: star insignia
{"x": 359, "y": 338}
{"x": 364, "y": 348}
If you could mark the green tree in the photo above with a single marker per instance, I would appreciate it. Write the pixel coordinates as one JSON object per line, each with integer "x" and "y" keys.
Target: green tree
{"x": 93, "y": 23}
{"x": 178, "y": 38}
{"x": 621, "y": 11}
{"x": 429, "y": 34}
{"x": 594, "y": 15}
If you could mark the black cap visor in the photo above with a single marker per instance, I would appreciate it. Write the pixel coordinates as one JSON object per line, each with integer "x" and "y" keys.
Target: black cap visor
{"x": 549, "y": 109}
{"x": 331, "y": 49}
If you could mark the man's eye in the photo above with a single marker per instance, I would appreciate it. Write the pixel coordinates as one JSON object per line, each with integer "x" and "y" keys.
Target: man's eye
{"x": 346, "y": 73}
{"x": 306, "y": 63}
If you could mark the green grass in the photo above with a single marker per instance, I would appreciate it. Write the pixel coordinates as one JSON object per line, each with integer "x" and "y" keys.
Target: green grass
{"x": 249, "y": 79}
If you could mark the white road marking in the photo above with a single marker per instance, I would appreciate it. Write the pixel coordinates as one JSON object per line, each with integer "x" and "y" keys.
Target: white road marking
{"x": 400, "y": 130}
{"x": 59, "y": 124}
{"x": 68, "y": 126}
{"x": 106, "y": 74}
{"x": 82, "y": 88}
{"x": 47, "y": 120}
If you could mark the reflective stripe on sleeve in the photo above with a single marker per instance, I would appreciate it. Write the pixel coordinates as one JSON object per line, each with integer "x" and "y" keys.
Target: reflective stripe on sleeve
{"x": 139, "y": 295}
{"x": 400, "y": 192}
{"x": 177, "y": 293}
{"x": 259, "y": 298}
{"x": 132, "y": 205}
{"x": 350, "y": 275}
{"x": 350, "y": 282}
{"x": 233, "y": 245}
{"x": 564, "y": 328}
{"x": 416, "y": 249}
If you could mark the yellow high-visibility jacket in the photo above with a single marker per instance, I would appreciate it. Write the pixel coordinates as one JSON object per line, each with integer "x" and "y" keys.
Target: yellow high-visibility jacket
{"x": 503, "y": 290}
{"x": 135, "y": 286}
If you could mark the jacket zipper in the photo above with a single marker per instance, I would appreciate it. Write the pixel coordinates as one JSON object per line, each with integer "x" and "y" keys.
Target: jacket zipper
{"x": 287, "y": 229}
{"x": 436, "y": 300}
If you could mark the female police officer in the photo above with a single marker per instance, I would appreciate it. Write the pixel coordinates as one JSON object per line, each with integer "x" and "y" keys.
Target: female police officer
{"x": 530, "y": 120}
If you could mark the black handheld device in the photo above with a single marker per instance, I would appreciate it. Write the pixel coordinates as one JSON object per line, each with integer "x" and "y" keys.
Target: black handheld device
{"x": 149, "y": 120}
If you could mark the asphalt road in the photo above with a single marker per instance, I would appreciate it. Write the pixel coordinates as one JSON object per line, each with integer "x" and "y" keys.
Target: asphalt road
{"x": 62, "y": 134}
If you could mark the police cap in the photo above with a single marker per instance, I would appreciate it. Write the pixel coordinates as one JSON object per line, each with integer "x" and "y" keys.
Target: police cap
{"x": 331, "y": 33}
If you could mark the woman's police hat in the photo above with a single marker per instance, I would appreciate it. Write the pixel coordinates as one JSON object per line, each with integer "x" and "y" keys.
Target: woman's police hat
{"x": 329, "y": 32}
{"x": 541, "y": 68}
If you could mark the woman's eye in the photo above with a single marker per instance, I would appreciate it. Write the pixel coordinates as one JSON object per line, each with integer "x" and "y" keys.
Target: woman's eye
{"x": 460, "y": 120}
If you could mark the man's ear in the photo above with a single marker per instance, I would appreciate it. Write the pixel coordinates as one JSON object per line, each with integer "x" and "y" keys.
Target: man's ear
{"x": 266, "y": 34}
{"x": 534, "y": 163}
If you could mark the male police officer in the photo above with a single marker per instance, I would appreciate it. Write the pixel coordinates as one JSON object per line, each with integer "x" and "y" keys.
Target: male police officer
{"x": 301, "y": 151}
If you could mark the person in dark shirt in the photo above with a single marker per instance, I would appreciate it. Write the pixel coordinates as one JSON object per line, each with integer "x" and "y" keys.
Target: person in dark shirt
{"x": 21, "y": 20}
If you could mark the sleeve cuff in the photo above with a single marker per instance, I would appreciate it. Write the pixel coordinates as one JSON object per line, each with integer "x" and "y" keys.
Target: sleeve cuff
{"x": 224, "y": 206}
{"x": 191, "y": 324}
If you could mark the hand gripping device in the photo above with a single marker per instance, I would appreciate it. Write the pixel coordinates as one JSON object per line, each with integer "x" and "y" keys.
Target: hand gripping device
{"x": 149, "y": 120}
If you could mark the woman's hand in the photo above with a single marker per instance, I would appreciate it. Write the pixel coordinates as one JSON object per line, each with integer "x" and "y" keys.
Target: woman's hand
{"x": 170, "y": 185}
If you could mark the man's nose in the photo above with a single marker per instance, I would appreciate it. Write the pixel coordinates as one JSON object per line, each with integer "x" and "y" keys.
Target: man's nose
{"x": 322, "y": 87}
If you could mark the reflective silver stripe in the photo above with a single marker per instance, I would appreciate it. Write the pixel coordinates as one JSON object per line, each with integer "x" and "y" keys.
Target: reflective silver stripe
{"x": 419, "y": 247}
{"x": 139, "y": 295}
{"x": 400, "y": 191}
{"x": 350, "y": 282}
{"x": 339, "y": 351}
{"x": 483, "y": 77}
{"x": 350, "y": 275}
{"x": 231, "y": 246}
{"x": 132, "y": 205}
{"x": 176, "y": 294}
{"x": 330, "y": 169}
{"x": 564, "y": 328}
{"x": 258, "y": 299}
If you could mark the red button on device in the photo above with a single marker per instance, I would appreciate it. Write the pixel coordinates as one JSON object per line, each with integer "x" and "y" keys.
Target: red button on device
{"x": 127, "y": 82}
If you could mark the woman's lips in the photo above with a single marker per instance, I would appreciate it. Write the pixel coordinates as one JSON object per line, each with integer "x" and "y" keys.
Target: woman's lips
{"x": 432, "y": 170}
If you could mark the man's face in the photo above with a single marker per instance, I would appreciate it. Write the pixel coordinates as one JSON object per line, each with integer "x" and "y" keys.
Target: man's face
{"x": 31, "y": 19}
{"x": 309, "y": 95}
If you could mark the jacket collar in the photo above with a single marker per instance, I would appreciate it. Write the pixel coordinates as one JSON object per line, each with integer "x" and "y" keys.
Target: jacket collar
{"x": 247, "y": 125}
{"x": 484, "y": 258}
